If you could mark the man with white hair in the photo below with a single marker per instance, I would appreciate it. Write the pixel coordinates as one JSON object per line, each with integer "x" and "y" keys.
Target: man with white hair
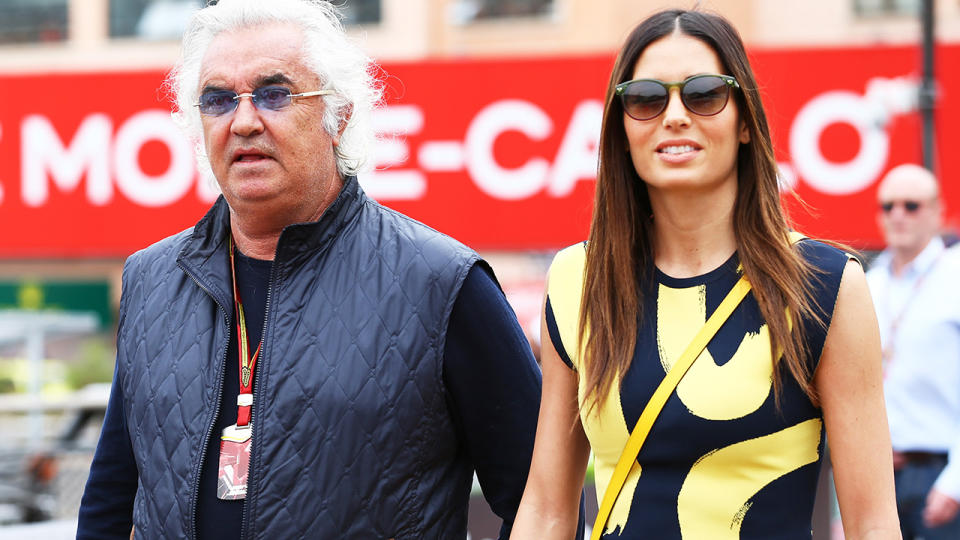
{"x": 917, "y": 298}
{"x": 303, "y": 362}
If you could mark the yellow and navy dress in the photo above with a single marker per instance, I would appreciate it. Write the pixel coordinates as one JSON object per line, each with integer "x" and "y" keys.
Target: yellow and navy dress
{"x": 722, "y": 461}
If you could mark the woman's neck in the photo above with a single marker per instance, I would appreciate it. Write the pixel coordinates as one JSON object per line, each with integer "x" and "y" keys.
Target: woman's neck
{"x": 693, "y": 232}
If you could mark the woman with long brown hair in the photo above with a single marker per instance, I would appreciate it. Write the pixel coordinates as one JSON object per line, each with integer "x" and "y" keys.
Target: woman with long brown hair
{"x": 688, "y": 215}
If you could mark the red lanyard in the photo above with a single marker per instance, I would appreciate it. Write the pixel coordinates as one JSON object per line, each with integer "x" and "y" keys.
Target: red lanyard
{"x": 247, "y": 362}
{"x": 889, "y": 350}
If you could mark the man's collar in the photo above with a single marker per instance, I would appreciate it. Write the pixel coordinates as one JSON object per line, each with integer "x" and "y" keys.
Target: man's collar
{"x": 921, "y": 263}
{"x": 307, "y": 237}
{"x": 928, "y": 257}
{"x": 210, "y": 233}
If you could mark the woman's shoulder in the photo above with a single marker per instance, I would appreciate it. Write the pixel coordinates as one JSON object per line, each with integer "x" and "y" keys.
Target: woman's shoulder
{"x": 568, "y": 264}
{"x": 824, "y": 257}
{"x": 828, "y": 262}
{"x": 564, "y": 291}
{"x": 571, "y": 255}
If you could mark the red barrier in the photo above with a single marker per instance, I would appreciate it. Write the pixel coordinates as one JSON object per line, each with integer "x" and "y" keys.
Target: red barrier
{"x": 499, "y": 153}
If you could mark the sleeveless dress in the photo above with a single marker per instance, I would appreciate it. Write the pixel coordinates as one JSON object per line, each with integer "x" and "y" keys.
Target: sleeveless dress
{"x": 722, "y": 461}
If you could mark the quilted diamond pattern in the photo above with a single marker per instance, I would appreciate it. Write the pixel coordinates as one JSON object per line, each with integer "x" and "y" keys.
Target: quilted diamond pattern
{"x": 352, "y": 437}
{"x": 170, "y": 336}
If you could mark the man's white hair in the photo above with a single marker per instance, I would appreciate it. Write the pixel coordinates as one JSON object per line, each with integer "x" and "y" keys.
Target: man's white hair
{"x": 328, "y": 52}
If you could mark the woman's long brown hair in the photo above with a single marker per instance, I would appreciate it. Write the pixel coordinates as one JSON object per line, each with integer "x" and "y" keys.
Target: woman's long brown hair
{"x": 620, "y": 251}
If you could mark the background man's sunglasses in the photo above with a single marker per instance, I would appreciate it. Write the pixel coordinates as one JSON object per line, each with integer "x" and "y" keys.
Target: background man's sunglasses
{"x": 271, "y": 98}
{"x": 909, "y": 206}
{"x": 704, "y": 95}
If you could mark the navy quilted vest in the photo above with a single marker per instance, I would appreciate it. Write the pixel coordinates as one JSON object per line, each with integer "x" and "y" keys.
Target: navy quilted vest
{"x": 352, "y": 435}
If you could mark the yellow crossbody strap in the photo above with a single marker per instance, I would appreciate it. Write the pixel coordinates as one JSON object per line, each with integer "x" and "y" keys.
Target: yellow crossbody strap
{"x": 639, "y": 434}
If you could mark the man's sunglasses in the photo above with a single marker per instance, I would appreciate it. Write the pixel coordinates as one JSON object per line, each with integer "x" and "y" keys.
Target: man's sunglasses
{"x": 704, "y": 95}
{"x": 269, "y": 98}
{"x": 909, "y": 206}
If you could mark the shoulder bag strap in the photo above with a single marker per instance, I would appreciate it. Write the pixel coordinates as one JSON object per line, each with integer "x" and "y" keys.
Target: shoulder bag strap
{"x": 659, "y": 399}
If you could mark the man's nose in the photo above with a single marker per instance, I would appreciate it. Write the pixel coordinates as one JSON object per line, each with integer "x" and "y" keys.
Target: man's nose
{"x": 246, "y": 118}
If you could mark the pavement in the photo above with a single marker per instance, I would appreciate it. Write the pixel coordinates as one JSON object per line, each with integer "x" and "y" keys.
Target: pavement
{"x": 47, "y": 530}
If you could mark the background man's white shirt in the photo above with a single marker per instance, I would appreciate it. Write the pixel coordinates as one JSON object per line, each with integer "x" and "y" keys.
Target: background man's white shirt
{"x": 922, "y": 373}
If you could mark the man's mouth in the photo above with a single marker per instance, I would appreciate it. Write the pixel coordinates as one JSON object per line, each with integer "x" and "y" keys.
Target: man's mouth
{"x": 247, "y": 157}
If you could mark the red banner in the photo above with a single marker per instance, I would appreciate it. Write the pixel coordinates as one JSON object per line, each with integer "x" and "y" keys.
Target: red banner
{"x": 500, "y": 154}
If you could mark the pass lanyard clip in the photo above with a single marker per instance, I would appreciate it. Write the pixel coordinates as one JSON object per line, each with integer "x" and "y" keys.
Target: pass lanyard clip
{"x": 247, "y": 361}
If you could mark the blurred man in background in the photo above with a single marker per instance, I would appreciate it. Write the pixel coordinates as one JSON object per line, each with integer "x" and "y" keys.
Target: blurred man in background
{"x": 304, "y": 363}
{"x": 915, "y": 285}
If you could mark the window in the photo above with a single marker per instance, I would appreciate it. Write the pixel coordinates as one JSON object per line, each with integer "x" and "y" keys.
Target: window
{"x": 887, "y": 7}
{"x": 465, "y": 11}
{"x": 33, "y": 21}
{"x": 360, "y": 11}
{"x": 167, "y": 19}
{"x": 151, "y": 19}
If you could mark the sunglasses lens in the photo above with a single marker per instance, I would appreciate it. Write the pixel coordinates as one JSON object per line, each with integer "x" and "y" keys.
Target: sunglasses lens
{"x": 908, "y": 206}
{"x": 705, "y": 95}
{"x": 217, "y": 102}
{"x": 643, "y": 100}
{"x": 271, "y": 97}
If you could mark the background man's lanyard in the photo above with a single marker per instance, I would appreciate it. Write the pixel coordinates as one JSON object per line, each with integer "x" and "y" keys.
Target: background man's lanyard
{"x": 247, "y": 362}
{"x": 889, "y": 350}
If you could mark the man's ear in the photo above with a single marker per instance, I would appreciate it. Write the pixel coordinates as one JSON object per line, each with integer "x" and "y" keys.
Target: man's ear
{"x": 344, "y": 120}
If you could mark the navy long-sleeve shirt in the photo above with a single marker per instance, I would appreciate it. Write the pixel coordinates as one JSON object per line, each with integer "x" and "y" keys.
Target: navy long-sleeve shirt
{"x": 493, "y": 388}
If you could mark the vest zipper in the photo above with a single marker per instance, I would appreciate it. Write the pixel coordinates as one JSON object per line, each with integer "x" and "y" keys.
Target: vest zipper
{"x": 216, "y": 409}
{"x": 254, "y": 408}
